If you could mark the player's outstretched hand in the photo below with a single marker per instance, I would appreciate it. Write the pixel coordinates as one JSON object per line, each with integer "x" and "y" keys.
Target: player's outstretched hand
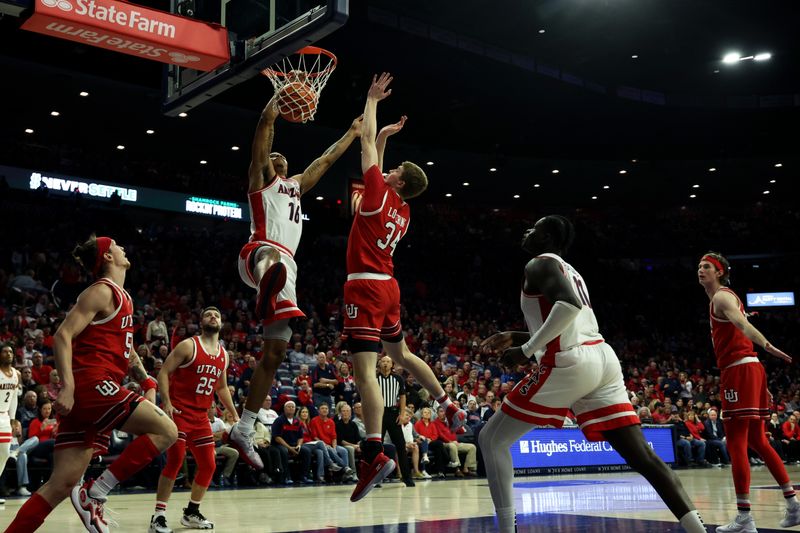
{"x": 497, "y": 342}
{"x": 379, "y": 88}
{"x": 271, "y": 109}
{"x": 357, "y": 125}
{"x": 780, "y": 354}
{"x": 513, "y": 357}
{"x": 65, "y": 401}
{"x": 391, "y": 129}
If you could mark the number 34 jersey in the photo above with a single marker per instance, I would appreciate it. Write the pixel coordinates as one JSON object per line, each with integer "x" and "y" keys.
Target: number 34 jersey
{"x": 382, "y": 219}
{"x": 275, "y": 214}
{"x": 582, "y": 330}
{"x": 192, "y": 385}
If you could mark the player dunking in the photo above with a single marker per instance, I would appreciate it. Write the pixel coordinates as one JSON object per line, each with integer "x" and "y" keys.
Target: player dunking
{"x": 266, "y": 263}
{"x": 94, "y": 351}
{"x": 576, "y": 370}
{"x": 9, "y": 385}
{"x": 371, "y": 294}
{"x": 745, "y": 399}
{"x": 191, "y": 374}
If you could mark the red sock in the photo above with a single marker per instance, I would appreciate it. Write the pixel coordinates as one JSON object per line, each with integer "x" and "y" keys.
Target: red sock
{"x": 736, "y": 430}
{"x": 136, "y": 456}
{"x": 31, "y": 515}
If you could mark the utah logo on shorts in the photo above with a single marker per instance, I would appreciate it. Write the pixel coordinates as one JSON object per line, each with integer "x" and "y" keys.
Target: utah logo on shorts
{"x": 731, "y": 395}
{"x": 352, "y": 311}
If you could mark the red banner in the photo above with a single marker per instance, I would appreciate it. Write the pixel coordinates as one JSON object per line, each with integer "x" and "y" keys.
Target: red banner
{"x": 135, "y": 30}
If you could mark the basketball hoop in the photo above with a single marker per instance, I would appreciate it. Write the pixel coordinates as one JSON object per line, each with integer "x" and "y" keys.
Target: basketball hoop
{"x": 299, "y": 81}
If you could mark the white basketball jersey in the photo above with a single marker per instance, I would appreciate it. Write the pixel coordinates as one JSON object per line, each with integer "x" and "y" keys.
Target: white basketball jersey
{"x": 8, "y": 390}
{"x": 275, "y": 215}
{"x": 582, "y": 330}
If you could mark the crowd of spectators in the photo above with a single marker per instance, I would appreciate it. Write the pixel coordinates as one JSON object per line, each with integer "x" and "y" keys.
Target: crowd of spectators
{"x": 459, "y": 272}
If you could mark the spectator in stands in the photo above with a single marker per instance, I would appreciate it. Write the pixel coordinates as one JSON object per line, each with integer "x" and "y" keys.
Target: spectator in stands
{"x": 54, "y": 385}
{"x": 27, "y": 352}
{"x": 454, "y": 447}
{"x": 157, "y": 331}
{"x": 28, "y": 411}
{"x": 346, "y": 388}
{"x": 303, "y": 376}
{"x": 791, "y": 438}
{"x": 644, "y": 415}
{"x": 690, "y": 449}
{"x": 474, "y": 420}
{"x": 496, "y": 403}
{"x": 348, "y": 435}
{"x": 39, "y": 370}
{"x": 270, "y": 456}
{"x": 267, "y": 415}
{"x": 19, "y": 453}
{"x": 415, "y": 444}
{"x": 243, "y": 386}
{"x": 27, "y": 382}
{"x": 219, "y": 427}
{"x": 323, "y": 429}
{"x": 660, "y": 413}
{"x": 305, "y": 396}
{"x": 324, "y": 382}
{"x": 427, "y": 429}
{"x": 775, "y": 435}
{"x": 288, "y": 434}
{"x": 358, "y": 420}
{"x": 44, "y": 427}
{"x": 714, "y": 433}
{"x": 685, "y": 386}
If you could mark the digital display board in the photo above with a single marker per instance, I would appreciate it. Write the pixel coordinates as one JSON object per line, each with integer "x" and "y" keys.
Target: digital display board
{"x": 770, "y": 299}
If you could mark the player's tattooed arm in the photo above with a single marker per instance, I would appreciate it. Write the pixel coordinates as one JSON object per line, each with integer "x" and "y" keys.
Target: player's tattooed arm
{"x": 312, "y": 174}
{"x": 136, "y": 368}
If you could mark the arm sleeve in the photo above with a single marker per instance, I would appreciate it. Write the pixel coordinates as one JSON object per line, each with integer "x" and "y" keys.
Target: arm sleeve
{"x": 557, "y": 321}
{"x": 374, "y": 190}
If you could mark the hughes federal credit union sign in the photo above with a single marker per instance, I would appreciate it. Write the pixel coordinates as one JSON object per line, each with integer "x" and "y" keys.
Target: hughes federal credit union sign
{"x": 134, "y": 30}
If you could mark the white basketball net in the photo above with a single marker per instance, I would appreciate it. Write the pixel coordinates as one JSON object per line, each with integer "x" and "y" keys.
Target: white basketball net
{"x": 307, "y": 72}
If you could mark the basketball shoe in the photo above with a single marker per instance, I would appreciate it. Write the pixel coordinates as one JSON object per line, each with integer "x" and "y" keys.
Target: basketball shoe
{"x": 195, "y": 520}
{"x": 791, "y": 517}
{"x": 244, "y": 445}
{"x": 158, "y": 524}
{"x": 269, "y": 286}
{"x": 89, "y": 509}
{"x": 455, "y": 417}
{"x": 370, "y": 475}
{"x": 743, "y": 523}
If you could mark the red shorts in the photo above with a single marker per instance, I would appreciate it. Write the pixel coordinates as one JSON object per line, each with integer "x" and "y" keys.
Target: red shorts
{"x": 193, "y": 427}
{"x": 101, "y": 405}
{"x": 372, "y": 309}
{"x": 744, "y": 391}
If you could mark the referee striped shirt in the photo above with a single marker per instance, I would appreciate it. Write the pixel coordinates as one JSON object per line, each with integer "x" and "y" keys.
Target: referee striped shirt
{"x": 391, "y": 389}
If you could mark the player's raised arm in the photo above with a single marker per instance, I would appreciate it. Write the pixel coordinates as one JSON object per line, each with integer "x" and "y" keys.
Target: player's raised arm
{"x": 320, "y": 165}
{"x": 727, "y": 304}
{"x": 384, "y": 134}
{"x": 94, "y": 300}
{"x": 260, "y": 163}
{"x": 177, "y": 357}
{"x": 378, "y": 90}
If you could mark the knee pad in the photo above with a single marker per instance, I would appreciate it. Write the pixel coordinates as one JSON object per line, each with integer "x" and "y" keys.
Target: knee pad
{"x": 175, "y": 455}
{"x": 206, "y": 459}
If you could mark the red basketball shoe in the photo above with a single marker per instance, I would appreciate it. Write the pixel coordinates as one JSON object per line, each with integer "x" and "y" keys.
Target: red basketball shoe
{"x": 89, "y": 509}
{"x": 370, "y": 475}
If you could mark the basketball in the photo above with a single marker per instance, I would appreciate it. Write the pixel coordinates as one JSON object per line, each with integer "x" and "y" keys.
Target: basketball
{"x": 297, "y": 101}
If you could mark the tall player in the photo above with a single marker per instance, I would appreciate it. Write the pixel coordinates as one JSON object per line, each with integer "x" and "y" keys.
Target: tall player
{"x": 576, "y": 370}
{"x": 371, "y": 294}
{"x": 94, "y": 350}
{"x": 266, "y": 262}
{"x": 746, "y": 400}
{"x": 9, "y": 385}
{"x": 190, "y": 376}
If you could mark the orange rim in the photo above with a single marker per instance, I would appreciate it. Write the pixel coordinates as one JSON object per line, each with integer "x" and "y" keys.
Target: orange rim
{"x": 307, "y": 50}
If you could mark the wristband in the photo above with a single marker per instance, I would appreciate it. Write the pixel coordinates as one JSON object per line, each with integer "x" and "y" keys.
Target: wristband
{"x": 148, "y": 384}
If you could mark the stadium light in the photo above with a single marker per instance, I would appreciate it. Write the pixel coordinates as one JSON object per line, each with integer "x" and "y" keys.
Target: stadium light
{"x": 731, "y": 58}
{"x": 763, "y": 56}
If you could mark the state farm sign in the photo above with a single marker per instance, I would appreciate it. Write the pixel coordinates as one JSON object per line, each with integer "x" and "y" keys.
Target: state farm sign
{"x": 134, "y": 30}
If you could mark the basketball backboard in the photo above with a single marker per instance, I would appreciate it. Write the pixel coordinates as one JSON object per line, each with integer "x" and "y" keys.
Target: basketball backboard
{"x": 261, "y": 33}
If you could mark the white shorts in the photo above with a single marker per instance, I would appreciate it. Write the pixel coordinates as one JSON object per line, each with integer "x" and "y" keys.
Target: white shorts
{"x": 287, "y": 298}
{"x": 586, "y": 379}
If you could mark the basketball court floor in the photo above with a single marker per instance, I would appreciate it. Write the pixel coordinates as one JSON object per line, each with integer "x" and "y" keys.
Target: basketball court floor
{"x": 619, "y": 503}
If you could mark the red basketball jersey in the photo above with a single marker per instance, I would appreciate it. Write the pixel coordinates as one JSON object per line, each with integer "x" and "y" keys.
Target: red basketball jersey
{"x": 381, "y": 220}
{"x": 106, "y": 344}
{"x": 730, "y": 344}
{"x": 192, "y": 385}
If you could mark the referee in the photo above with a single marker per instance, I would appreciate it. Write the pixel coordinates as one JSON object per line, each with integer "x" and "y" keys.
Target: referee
{"x": 393, "y": 391}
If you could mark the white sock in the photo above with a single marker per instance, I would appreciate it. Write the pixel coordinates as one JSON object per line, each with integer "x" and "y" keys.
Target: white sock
{"x": 693, "y": 523}
{"x": 444, "y": 401}
{"x": 506, "y": 519}
{"x": 103, "y": 485}
{"x": 161, "y": 509}
{"x": 247, "y": 421}
{"x": 791, "y": 501}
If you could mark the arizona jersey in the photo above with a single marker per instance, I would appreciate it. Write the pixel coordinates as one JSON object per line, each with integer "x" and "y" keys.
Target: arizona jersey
{"x": 192, "y": 385}
{"x": 8, "y": 391}
{"x": 730, "y": 344}
{"x": 275, "y": 214}
{"x": 106, "y": 344}
{"x": 381, "y": 221}
{"x": 582, "y": 330}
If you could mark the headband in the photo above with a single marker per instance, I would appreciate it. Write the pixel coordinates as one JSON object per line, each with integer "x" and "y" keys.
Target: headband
{"x": 714, "y": 262}
{"x": 103, "y": 244}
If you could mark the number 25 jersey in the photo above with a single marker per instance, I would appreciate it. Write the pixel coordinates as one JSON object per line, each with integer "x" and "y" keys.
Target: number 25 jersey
{"x": 381, "y": 220}
{"x": 192, "y": 385}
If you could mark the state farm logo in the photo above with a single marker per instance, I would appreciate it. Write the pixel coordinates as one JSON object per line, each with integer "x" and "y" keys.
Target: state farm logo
{"x": 63, "y": 5}
{"x": 180, "y": 57}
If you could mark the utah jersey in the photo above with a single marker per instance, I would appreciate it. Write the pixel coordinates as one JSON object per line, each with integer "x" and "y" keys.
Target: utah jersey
{"x": 192, "y": 385}
{"x": 275, "y": 215}
{"x": 582, "y": 330}
{"x": 381, "y": 221}
{"x": 730, "y": 344}
{"x": 8, "y": 391}
{"x": 105, "y": 344}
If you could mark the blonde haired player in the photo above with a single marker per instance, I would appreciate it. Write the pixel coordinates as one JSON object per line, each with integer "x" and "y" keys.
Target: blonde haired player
{"x": 9, "y": 387}
{"x": 266, "y": 262}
